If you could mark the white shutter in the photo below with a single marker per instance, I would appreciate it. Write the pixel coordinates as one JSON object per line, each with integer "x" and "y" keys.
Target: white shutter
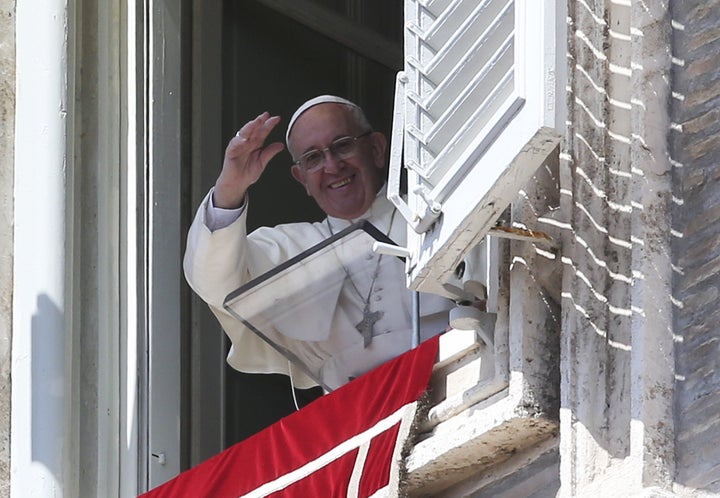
{"x": 475, "y": 117}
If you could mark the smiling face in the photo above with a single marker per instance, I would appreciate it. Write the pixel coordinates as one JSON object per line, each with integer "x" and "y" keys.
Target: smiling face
{"x": 343, "y": 188}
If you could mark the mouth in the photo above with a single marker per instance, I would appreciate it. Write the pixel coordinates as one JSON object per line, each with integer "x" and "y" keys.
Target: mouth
{"x": 341, "y": 183}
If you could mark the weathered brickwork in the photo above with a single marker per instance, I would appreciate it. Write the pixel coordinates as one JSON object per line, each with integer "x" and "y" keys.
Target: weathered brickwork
{"x": 695, "y": 149}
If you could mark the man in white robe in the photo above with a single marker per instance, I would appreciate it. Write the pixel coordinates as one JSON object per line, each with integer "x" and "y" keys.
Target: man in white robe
{"x": 340, "y": 161}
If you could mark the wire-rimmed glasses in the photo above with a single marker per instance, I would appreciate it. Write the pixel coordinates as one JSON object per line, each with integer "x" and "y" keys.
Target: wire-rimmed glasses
{"x": 341, "y": 148}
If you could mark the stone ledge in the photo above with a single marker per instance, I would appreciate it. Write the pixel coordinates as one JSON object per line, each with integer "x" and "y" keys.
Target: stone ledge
{"x": 465, "y": 374}
{"x": 479, "y": 438}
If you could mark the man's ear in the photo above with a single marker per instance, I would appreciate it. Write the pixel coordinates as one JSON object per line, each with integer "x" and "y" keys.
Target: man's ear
{"x": 299, "y": 174}
{"x": 379, "y": 146}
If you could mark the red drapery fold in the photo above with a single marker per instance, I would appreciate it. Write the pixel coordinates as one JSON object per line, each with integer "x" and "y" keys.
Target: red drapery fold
{"x": 344, "y": 444}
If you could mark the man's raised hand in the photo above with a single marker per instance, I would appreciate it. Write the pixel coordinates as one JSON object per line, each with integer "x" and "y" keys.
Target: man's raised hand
{"x": 246, "y": 157}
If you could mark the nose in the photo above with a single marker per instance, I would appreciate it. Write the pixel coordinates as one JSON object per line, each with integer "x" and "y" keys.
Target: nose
{"x": 332, "y": 163}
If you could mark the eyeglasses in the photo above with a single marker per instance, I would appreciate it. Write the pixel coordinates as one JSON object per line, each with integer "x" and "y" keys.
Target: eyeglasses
{"x": 342, "y": 148}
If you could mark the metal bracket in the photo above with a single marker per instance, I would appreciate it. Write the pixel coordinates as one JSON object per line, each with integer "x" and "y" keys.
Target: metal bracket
{"x": 524, "y": 235}
{"x": 161, "y": 458}
{"x": 420, "y": 222}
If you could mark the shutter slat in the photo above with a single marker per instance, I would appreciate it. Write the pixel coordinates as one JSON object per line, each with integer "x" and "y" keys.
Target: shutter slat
{"x": 462, "y": 80}
{"x": 451, "y": 21}
{"x": 478, "y": 75}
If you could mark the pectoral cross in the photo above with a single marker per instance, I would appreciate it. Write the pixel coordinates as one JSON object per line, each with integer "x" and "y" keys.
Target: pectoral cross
{"x": 365, "y": 327}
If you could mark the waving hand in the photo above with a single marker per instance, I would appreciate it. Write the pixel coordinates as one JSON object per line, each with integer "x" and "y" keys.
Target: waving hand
{"x": 246, "y": 157}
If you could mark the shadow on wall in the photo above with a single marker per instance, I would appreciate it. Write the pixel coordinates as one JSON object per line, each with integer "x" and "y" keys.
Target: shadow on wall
{"x": 48, "y": 381}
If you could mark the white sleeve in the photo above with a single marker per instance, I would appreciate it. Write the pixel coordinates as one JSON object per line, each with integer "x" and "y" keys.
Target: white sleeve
{"x": 217, "y": 218}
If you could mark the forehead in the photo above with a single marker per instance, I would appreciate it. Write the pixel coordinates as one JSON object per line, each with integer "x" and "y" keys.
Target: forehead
{"x": 320, "y": 125}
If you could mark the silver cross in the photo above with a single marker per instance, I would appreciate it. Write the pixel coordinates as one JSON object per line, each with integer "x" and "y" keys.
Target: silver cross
{"x": 365, "y": 327}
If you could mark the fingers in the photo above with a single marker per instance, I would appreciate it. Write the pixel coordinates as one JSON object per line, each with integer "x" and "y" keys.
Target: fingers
{"x": 248, "y": 144}
{"x": 257, "y": 130}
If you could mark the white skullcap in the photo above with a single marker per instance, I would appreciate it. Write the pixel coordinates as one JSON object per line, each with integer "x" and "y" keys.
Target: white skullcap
{"x": 322, "y": 99}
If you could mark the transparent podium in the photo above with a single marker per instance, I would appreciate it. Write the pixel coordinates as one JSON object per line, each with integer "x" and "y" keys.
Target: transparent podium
{"x": 326, "y": 288}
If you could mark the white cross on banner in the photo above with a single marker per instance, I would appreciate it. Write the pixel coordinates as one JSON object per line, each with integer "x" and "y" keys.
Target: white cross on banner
{"x": 345, "y": 444}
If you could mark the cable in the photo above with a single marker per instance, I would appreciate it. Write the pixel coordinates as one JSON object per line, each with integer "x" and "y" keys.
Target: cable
{"x": 292, "y": 385}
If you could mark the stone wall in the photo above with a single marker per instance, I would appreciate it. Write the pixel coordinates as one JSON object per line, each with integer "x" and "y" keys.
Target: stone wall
{"x": 617, "y": 338}
{"x": 7, "y": 137}
{"x": 597, "y": 250}
{"x": 695, "y": 150}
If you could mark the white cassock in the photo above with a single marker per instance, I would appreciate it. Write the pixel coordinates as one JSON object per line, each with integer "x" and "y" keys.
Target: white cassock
{"x": 324, "y": 337}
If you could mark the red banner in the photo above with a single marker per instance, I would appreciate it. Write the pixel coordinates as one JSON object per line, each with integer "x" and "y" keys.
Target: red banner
{"x": 345, "y": 444}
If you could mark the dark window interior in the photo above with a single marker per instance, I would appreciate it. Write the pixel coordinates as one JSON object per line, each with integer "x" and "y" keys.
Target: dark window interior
{"x": 272, "y": 62}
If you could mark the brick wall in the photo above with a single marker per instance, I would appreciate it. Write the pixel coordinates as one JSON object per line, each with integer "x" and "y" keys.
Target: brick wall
{"x": 695, "y": 150}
